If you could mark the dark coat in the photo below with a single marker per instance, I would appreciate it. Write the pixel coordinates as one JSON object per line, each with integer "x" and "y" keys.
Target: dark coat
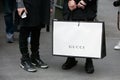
{"x": 88, "y": 13}
{"x": 38, "y": 13}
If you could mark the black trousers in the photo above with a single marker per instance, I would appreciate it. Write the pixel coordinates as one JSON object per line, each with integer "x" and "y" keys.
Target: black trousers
{"x": 25, "y": 32}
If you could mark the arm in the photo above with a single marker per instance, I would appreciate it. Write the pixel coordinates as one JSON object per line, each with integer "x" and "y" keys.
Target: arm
{"x": 90, "y": 2}
{"x": 20, "y": 7}
{"x": 51, "y": 5}
{"x": 66, "y": 10}
{"x": 20, "y": 3}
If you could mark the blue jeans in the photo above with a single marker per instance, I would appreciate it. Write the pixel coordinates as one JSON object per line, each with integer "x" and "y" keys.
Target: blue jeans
{"x": 9, "y": 6}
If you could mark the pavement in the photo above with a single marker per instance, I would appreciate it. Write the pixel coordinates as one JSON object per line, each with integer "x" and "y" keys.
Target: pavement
{"x": 107, "y": 68}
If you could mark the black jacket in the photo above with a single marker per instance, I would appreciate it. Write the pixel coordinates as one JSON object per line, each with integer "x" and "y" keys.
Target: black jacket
{"x": 89, "y": 12}
{"x": 38, "y": 12}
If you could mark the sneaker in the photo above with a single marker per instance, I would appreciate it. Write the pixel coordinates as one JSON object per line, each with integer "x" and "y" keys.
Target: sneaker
{"x": 117, "y": 47}
{"x": 28, "y": 66}
{"x": 70, "y": 62}
{"x": 10, "y": 38}
{"x": 39, "y": 63}
{"x": 89, "y": 68}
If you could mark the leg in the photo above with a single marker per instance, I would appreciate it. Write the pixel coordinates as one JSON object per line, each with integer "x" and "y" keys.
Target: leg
{"x": 8, "y": 16}
{"x": 70, "y": 62}
{"x": 35, "y": 58}
{"x": 47, "y": 28}
{"x": 117, "y": 47}
{"x": 89, "y": 68}
{"x": 23, "y": 45}
{"x": 35, "y": 37}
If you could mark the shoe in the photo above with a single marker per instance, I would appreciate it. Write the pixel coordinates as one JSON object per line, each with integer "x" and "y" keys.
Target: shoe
{"x": 117, "y": 47}
{"x": 39, "y": 63}
{"x": 70, "y": 62}
{"x": 10, "y": 38}
{"x": 89, "y": 68}
{"x": 28, "y": 66}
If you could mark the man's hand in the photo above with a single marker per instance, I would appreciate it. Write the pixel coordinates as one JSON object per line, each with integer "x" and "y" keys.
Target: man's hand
{"x": 81, "y": 4}
{"x": 20, "y": 10}
{"x": 72, "y": 5}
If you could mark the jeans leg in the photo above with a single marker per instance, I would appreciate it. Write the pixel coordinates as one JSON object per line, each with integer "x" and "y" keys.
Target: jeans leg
{"x": 8, "y": 15}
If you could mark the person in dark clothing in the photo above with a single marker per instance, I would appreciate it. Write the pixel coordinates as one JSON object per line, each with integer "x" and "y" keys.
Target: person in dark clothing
{"x": 9, "y": 7}
{"x": 116, "y": 3}
{"x": 37, "y": 16}
{"x": 79, "y": 10}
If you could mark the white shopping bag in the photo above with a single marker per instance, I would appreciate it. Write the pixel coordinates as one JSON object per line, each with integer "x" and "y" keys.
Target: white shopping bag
{"x": 79, "y": 39}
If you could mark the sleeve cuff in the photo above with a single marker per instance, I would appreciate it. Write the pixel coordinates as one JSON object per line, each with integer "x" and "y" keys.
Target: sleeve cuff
{"x": 20, "y": 4}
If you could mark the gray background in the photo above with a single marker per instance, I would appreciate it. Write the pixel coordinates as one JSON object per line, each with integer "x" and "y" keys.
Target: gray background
{"x": 107, "y": 68}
